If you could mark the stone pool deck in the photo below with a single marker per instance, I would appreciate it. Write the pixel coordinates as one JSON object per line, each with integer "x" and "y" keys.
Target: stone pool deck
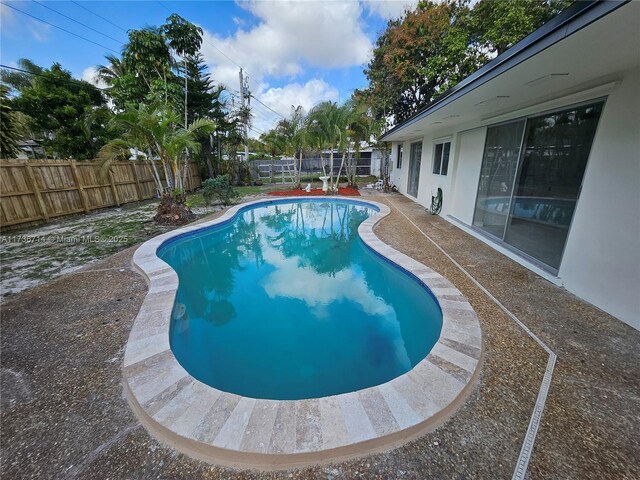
{"x": 64, "y": 414}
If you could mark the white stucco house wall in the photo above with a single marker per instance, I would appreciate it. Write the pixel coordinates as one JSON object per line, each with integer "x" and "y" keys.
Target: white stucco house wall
{"x": 538, "y": 154}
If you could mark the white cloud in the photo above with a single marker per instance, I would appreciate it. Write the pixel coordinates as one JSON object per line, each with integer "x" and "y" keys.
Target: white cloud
{"x": 90, "y": 74}
{"x": 389, "y": 9}
{"x": 281, "y": 100}
{"x": 294, "y": 94}
{"x": 289, "y": 36}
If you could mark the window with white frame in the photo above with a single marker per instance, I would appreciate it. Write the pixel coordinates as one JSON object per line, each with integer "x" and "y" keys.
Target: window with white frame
{"x": 441, "y": 158}
{"x": 399, "y": 159}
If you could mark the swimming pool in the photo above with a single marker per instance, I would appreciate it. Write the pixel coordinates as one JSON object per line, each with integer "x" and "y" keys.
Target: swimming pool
{"x": 286, "y": 302}
{"x": 223, "y": 427}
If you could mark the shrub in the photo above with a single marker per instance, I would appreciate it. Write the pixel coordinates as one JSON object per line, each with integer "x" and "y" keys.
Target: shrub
{"x": 219, "y": 188}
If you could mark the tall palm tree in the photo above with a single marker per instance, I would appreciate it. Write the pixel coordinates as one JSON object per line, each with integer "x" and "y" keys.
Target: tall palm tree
{"x": 299, "y": 135}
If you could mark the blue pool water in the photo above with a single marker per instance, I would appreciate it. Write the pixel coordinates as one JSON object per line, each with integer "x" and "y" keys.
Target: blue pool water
{"x": 286, "y": 302}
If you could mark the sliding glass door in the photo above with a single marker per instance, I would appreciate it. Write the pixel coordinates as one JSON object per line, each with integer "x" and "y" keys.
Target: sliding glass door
{"x": 529, "y": 188}
{"x": 415, "y": 160}
{"x": 499, "y": 168}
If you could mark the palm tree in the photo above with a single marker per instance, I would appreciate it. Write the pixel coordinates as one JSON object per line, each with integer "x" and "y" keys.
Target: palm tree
{"x": 361, "y": 128}
{"x": 329, "y": 122}
{"x": 20, "y": 79}
{"x": 114, "y": 70}
{"x": 274, "y": 142}
{"x": 299, "y": 135}
{"x": 154, "y": 130}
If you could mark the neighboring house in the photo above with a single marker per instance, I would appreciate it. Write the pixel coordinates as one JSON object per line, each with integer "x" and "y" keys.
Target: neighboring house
{"x": 538, "y": 154}
{"x": 30, "y": 149}
{"x": 369, "y": 163}
{"x": 374, "y": 158}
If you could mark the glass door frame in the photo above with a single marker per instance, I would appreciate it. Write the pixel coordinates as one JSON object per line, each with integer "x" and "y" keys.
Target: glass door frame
{"x": 501, "y": 240}
{"x": 412, "y": 159}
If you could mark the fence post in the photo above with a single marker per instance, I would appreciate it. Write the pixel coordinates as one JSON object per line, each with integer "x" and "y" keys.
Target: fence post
{"x": 36, "y": 191}
{"x": 271, "y": 172}
{"x": 77, "y": 179}
{"x": 113, "y": 188}
{"x": 136, "y": 179}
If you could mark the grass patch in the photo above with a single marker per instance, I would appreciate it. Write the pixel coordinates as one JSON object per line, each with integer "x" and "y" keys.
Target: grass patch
{"x": 195, "y": 200}
{"x": 366, "y": 180}
{"x": 255, "y": 189}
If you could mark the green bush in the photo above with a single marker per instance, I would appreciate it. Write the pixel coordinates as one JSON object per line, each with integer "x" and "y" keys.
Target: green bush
{"x": 219, "y": 188}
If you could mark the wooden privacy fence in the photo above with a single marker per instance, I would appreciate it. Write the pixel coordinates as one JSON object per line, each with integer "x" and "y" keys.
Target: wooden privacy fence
{"x": 32, "y": 191}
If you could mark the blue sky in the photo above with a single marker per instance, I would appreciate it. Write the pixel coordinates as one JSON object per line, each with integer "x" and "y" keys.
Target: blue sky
{"x": 295, "y": 53}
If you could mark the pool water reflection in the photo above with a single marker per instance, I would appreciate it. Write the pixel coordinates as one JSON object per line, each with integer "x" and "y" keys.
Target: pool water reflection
{"x": 286, "y": 302}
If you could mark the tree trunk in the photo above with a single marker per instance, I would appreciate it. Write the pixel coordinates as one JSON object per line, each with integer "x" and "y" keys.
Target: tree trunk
{"x": 185, "y": 94}
{"x": 156, "y": 175}
{"x": 167, "y": 175}
{"x": 185, "y": 170}
{"x": 331, "y": 167}
{"x": 299, "y": 169}
{"x": 209, "y": 166}
{"x": 339, "y": 173}
{"x": 175, "y": 170}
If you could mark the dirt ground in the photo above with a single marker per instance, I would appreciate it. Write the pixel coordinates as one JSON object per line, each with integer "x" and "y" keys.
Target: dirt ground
{"x": 37, "y": 255}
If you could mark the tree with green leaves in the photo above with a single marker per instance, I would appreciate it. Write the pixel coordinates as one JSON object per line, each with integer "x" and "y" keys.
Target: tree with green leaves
{"x": 22, "y": 78}
{"x": 274, "y": 142}
{"x": 149, "y": 71}
{"x": 436, "y": 45}
{"x": 68, "y": 116}
{"x": 12, "y": 130}
{"x": 114, "y": 70}
{"x": 500, "y": 24}
{"x": 203, "y": 94}
{"x": 185, "y": 39}
{"x": 420, "y": 56}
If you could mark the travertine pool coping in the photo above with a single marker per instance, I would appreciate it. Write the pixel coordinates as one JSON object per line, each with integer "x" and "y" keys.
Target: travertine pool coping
{"x": 228, "y": 429}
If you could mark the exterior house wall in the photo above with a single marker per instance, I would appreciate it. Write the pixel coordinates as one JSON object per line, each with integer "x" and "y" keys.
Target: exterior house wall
{"x": 601, "y": 261}
{"x": 433, "y": 181}
{"x": 399, "y": 175}
{"x": 467, "y": 173}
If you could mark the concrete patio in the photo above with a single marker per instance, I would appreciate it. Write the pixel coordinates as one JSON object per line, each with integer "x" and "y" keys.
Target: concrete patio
{"x": 64, "y": 414}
